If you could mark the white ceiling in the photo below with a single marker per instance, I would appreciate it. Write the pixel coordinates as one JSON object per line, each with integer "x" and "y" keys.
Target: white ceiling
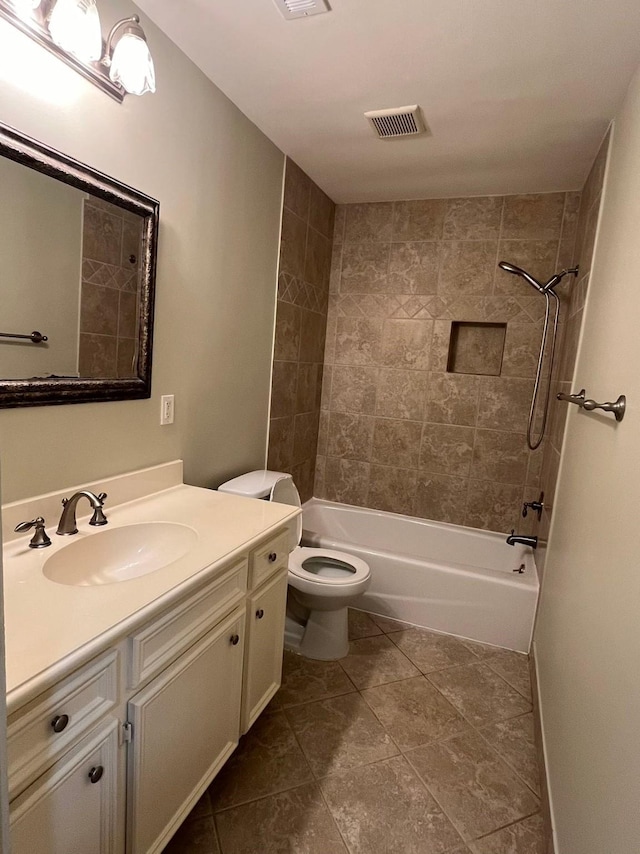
{"x": 517, "y": 93}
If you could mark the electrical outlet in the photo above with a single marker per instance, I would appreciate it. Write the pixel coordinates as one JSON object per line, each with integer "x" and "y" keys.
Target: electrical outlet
{"x": 166, "y": 409}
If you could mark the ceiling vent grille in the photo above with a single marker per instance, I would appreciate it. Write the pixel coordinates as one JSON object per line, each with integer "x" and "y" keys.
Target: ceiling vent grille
{"x": 302, "y": 8}
{"x": 399, "y": 121}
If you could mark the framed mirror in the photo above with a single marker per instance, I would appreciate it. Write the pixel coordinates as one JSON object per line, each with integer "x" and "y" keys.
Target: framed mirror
{"x": 77, "y": 280}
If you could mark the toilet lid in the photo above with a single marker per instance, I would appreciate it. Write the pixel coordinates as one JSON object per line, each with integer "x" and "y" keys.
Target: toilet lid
{"x": 284, "y": 492}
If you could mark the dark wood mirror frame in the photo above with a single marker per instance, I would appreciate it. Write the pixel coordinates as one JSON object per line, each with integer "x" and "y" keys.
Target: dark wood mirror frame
{"x": 42, "y": 392}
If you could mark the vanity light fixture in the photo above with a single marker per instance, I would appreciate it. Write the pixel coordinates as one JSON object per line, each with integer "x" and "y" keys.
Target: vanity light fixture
{"x": 70, "y": 29}
{"x": 128, "y": 57}
{"x": 75, "y": 27}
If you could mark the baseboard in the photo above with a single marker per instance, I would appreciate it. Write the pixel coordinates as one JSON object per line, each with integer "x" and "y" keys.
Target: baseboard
{"x": 545, "y": 803}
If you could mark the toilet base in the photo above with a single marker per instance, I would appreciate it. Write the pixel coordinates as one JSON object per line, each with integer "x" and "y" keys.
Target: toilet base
{"x": 324, "y": 636}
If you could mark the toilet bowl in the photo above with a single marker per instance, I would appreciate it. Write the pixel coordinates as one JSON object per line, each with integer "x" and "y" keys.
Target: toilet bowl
{"x": 322, "y": 583}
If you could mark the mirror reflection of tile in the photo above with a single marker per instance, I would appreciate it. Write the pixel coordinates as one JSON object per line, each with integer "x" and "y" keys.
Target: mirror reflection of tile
{"x": 111, "y": 248}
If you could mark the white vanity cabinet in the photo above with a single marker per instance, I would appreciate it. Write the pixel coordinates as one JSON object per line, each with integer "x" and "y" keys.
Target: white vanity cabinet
{"x": 112, "y": 758}
{"x": 74, "y": 807}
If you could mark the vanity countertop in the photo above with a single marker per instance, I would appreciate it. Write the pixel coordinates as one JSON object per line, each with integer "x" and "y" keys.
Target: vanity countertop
{"x": 51, "y": 628}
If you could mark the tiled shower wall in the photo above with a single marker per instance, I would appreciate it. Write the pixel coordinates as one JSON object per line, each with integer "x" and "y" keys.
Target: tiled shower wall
{"x": 301, "y": 319}
{"x": 398, "y": 431}
{"x": 574, "y": 292}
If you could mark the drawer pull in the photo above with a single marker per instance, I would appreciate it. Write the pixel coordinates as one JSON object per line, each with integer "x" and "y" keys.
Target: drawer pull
{"x": 273, "y": 557}
{"x": 260, "y": 613}
{"x": 235, "y": 640}
{"x": 59, "y": 722}
{"x": 96, "y": 773}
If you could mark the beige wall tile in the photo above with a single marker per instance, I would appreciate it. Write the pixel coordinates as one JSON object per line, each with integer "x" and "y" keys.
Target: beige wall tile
{"x": 346, "y": 481}
{"x": 303, "y": 476}
{"x": 533, "y": 217}
{"x": 293, "y": 244}
{"x": 368, "y": 223}
{"x": 102, "y": 235}
{"x": 99, "y": 310}
{"x": 499, "y": 456}
{"x": 323, "y": 432}
{"x": 317, "y": 265}
{"x": 414, "y": 267}
{"x": 473, "y": 219}
{"x": 339, "y": 224}
{"x": 288, "y": 321}
{"x": 354, "y": 389}
{"x": 401, "y": 394}
{"x": 493, "y": 506}
{"x": 283, "y": 389}
{"x": 452, "y": 399}
{"x": 125, "y": 358}
{"x": 364, "y": 268}
{"x": 127, "y": 315}
{"x": 305, "y": 438}
{"x": 419, "y": 220}
{"x": 357, "y": 341}
{"x": 312, "y": 331}
{"x": 447, "y": 449}
{"x": 392, "y": 489}
{"x": 441, "y": 497}
{"x": 98, "y": 354}
{"x": 280, "y": 456}
{"x": 406, "y": 344}
{"x": 321, "y": 211}
{"x": 397, "y": 441}
{"x": 297, "y": 188}
{"x": 309, "y": 387}
{"x": 504, "y": 403}
{"x": 521, "y": 349}
{"x": 467, "y": 267}
{"x": 350, "y": 436}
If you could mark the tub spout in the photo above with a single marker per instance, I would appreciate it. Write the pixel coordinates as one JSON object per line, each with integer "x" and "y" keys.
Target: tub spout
{"x": 524, "y": 540}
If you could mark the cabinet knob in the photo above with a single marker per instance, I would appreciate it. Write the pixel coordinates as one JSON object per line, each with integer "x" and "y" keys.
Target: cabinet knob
{"x": 96, "y": 773}
{"x": 59, "y": 722}
{"x": 235, "y": 640}
{"x": 273, "y": 557}
{"x": 260, "y": 613}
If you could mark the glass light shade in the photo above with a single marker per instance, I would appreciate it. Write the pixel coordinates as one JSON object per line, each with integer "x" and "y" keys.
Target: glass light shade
{"x": 132, "y": 65}
{"x": 24, "y": 8}
{"x": 75, "y": 26}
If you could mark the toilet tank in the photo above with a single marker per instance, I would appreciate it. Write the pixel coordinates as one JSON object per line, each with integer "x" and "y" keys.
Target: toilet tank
{"x": 260, "y": 484}
{"x": 253, "y": 484}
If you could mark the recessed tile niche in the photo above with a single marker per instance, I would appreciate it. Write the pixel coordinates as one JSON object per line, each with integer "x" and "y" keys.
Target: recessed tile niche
{"x": 476, "y": 348}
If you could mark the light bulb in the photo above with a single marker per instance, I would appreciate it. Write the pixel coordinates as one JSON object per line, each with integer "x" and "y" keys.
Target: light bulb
{"x": 75, "y": 26}
{"x": 132, "y": 65}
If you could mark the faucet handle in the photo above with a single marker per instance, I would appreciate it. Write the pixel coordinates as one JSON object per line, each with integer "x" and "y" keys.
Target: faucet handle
{"x": 98, "y": 517}
{"x": 40, "y": 540}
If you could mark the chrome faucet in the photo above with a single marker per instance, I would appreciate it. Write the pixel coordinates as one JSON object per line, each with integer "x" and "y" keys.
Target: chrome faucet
{"x": 524, "y": 540}
{"x": 67, "y": 524}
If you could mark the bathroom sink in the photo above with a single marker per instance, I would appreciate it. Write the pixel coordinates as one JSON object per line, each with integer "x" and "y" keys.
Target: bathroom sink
{"x": 119, "y": 554}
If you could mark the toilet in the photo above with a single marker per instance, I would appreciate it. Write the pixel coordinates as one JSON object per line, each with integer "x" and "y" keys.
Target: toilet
{"x": 322, "y": 582}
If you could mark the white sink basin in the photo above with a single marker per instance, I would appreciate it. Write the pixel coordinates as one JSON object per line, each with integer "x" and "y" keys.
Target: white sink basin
{"x": 120, "y": 554}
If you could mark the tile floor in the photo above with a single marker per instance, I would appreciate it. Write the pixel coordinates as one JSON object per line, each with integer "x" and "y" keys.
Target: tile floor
{"x": 415, "y": 743}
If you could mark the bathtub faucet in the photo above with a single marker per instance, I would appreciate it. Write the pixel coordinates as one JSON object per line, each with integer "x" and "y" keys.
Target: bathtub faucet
{"x": 514, "y": 538}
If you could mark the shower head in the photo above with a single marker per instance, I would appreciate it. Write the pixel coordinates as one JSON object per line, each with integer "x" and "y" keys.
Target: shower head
{"x": 511, "y": 268}
{"x": 555, "y": 280}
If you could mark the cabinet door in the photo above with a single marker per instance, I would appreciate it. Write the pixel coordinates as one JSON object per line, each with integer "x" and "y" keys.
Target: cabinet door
{"x": 74, "y": 807}
{"x": 263, "y": 653}
{"x": 185, "y": 726}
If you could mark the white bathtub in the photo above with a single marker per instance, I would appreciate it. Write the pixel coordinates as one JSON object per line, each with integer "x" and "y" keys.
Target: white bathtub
{"x": 444, "y": 577}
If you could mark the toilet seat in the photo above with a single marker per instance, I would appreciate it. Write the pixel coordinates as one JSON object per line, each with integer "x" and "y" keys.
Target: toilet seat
{"x": 355, "y": 573}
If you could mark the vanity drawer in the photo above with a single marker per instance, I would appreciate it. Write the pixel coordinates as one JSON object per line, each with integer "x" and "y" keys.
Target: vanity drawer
{"x": 72, "y": 707}
{"x": 267, "y": 558}
{"x": 159, "y": 643}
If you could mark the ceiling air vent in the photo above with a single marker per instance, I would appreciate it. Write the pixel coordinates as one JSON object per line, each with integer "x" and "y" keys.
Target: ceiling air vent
{"x": 400, "y": 121}
{"x": 302, "y": 8}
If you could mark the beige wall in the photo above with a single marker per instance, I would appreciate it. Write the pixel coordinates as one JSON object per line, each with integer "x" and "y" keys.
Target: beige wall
{"x": 39, "y": 218}
{"x": 303, "y": 288}
{"x": 398, "y": 431}
{"x": 219, "y": 183}
{"x": 586, "y": 639}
